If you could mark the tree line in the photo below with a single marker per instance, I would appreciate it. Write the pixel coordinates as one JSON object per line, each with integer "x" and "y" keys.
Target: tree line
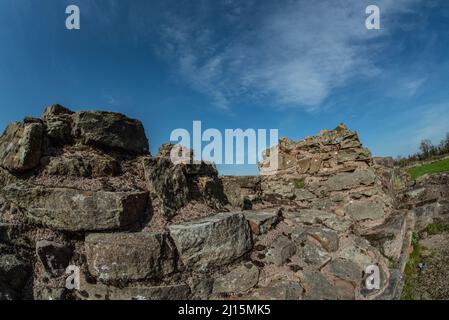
{"x": 427, "y": 151}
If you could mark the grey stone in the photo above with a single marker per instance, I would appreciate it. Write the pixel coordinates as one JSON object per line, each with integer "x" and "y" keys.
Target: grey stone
{"x": 110, "y": 131}
{"x": 212, "y": 241}
{"x": 362, "y": 210}
{"x": 303, "y": 194}
{"x": 238, "y": 280}
{"x": 313, "y": 255}
{"x": 346, "y": 270}
{"x": 316, "y": 286}
{"x": 169, "y": 292}
{"x": 75, "y": 210}
{"x": 129, "y": 256}
{"x": 389, "y": 236}
{"x": 354, "y": 154}
{"x": 328, "y": 239}
{"x": 261, "y": 221}
{"x": 313, "y": 216}
{"x": 345, "y": 181}
{"x": 281, "y": 250}
{"x": 78, "y": 165}
{"x": 279, "y": 290}
{"x": 21, "y": 146}
{"x": 176, "y": 186}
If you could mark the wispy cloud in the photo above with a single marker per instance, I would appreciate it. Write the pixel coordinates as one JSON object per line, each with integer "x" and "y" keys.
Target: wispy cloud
{"x": 292, "y": 54}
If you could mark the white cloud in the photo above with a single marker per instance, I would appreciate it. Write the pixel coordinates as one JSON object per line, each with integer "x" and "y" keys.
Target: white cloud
{"x": 294, "y": 54}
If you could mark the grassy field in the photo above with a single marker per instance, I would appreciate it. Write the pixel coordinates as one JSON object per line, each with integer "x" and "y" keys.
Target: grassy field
{"x": 438, "y": 166}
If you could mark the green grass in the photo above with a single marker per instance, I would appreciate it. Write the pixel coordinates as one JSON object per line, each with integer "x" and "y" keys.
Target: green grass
{"x": 411, "y": 275}
{"x": 434, "y": 167}
{"x": 436, "y": 228}
{"x": 299, "y": 184}
{"x": 411, "y": 270}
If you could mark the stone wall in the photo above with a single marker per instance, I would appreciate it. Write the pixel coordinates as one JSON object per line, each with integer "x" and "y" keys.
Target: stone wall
{"x": 81, "y": 189}
{"x": 428, "y": 199}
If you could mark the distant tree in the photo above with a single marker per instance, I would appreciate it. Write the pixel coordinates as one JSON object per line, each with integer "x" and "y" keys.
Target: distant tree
{"x": 444, "y": 144}
{"x": 426, "y": 147}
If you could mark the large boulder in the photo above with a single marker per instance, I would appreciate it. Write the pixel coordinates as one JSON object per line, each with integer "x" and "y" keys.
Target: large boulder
{"x": 168, "y": 181}
{"x": 75, "y": 210}
{"x": 81, "y": 164}
{"x": 212, "y": 241}
{"x": 177, "y": 184}
{"x": 110, "y": 131}
{"x": 129, "y": 256}
{"x": 58, "y": 124}
{"x": 21, "y": 146}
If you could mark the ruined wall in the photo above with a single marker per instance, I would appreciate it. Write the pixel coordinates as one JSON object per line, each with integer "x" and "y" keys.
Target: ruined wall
{"x": 82, "y": 189}
{"x": 428, "y": 199}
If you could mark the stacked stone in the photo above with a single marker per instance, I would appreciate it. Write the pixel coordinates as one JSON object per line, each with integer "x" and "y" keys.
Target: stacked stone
{"x": 338, "y": 217}
{"x": 81, "y": 189}
{"x": 77, "y": 188}
{"x": 427, "y": 198}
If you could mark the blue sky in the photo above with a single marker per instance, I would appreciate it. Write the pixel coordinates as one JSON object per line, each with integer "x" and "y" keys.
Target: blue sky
{"x": 296, "y": 66}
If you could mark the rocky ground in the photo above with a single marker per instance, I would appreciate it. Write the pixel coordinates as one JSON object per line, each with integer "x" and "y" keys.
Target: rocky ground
{"x": 81, "y": 189}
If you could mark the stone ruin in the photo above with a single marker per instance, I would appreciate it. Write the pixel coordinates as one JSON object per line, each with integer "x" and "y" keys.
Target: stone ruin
{"x": 81, "y": 189}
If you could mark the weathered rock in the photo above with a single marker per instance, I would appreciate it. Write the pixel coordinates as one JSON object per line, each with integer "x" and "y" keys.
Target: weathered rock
{"x": 212, "y": 241}
{"x": 238, "y": 280}
{"x": 313, "y": 255}
{"x": 44, "y": 293}
{"x": 303, "y": 194}
{"x": 261, "y": 221}
{"x": 313, "y": 216}
{"x": 74, "y": 210}
{"x": 170, "y": 292}
{"x": 58, "y": 124}
{"x": 315, "y": 165}
{"x": 201, "y": 287}
{"x": 327, "y": 238}
{"x": 281, "y": 250}
{"x": 346, "y": 270}
{"x": 55, "y": 111}
{"x": 303, "y": 165}
{"x": 286, "y": 161}
{"x": 109, "y": 130}
{"x": 344, "y": 181}
{"x": 316, "y": 286}
{"x": 361, "y": 210}
{"x": 354, "y": 154}
{"x": 78, "y": 165}
{"x": 280, "y": 290}
{"x": 90, "y": 289}
{"x": 177, "y": 184}
{"x": 242, "y": 191}
{"x": 168, "y": 181}
{"x": 129, "y": 256}
{"x": 389, "y": 236}
{"x": 21, "y": 146}
{"x": 54, "y": 256}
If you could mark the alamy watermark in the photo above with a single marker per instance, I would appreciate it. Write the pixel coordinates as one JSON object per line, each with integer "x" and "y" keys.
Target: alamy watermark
{"x": 372, "y": 277}
{"x": 73, "y": 21}
{"x": 236, "y": 147}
